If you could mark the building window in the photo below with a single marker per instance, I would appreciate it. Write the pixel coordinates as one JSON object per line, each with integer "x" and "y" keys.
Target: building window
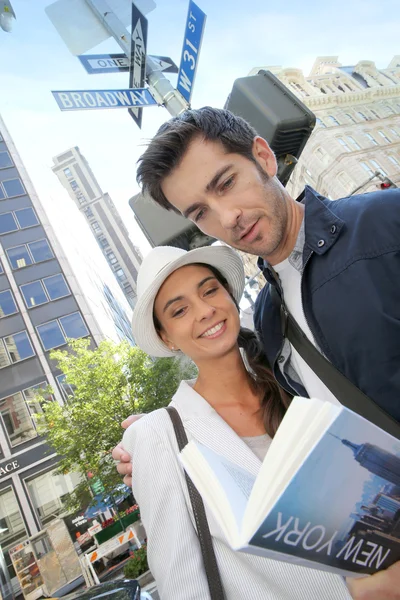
{"x": 394, "y": 132}
{"x": 390, "y": 109}
{"x": 371, "y": 139}
{"x": 120, "y": 274}
{"x": 7, "y": 304}
{"x": 1, "y": 268}
{"x": 19, "y": 219}
{"x": 26, "y": 217}
{"x": 343, "y": 144}
{"x": 88, "y": 212}
{"x": 112, "y": 259}
{"x": 34, "y": 294}
{"x": 374, "y": 114}
{"x": 13, "y": 187}
{"x": 353, "y": 141}
{"x": 12, "y": 528}
{"x": 19, "y": 257}
{"x": 45, "y": 290}
{"x": 367, "y": 168}
{"x": 40, "y": 250}
{"x": 74, "y": 185}
{"x": 56, "y": 287}
{"x": 103, "y": 241}
{"x": 49, "y": 491}
{"x": 17, "y": 411}
{"x": 394, "y": 160}
{"x": 55, "y": 333}
{"x": 5, "y": 160}
{"x": 74, "y": 326}
{"x": 96, "y": 227}
{"x": 8, "y": 223}
{"x": 385, "y": 137}
{"x": 67, "y": 172}
{"x": 350, "y": 118}
{"x": 333, "y": 121}
{"x": 377, "y": 166}
{"x": 15, "y": 348}
{"x": 51, "y": 335}
{"x": 67, "y": 390}
{"x": 320, "y": 123}
{"x": 362, "y": 116}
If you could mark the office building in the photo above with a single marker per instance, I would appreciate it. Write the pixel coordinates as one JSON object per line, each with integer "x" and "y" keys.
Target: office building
{"x": 124, "y": 258}
{"x": 44, "y": 300}
{"x": 358, "y": 125}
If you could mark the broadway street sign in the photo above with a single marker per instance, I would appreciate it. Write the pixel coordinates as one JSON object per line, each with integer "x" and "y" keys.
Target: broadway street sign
{"x": 96, "y": 99}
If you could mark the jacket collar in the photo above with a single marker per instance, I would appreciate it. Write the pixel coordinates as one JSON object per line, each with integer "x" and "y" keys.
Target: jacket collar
{"x": 322, "y": 227}
{"x": 205, "y": 425}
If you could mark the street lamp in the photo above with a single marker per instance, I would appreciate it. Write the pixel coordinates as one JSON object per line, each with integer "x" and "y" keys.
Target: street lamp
{"x": 7, "y": 15}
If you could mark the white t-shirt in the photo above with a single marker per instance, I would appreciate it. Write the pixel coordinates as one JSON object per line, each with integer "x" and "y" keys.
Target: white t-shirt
{"x": 291, "y": 285}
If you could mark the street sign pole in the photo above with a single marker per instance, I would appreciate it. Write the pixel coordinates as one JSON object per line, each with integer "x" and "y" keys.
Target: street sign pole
{"x": 160, "y": 87}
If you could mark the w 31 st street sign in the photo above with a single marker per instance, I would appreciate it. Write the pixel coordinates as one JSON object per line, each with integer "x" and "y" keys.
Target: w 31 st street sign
{"x": 99, "y": 99}
{"x": 195, "y": 24}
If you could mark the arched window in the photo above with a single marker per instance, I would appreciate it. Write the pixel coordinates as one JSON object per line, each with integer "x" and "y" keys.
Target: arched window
{"x": 374, "y": 114}
{"x": 371, "y": 139}
{"x": 353, "y": 142}
{"x": 320, "y": 123}
{"x": 351, "y": 119}
{"x": 333, "y": 121}
{"x": 345, "y": 146}
{"x": 385, "y": 137}
{"x": 362, "y": 116}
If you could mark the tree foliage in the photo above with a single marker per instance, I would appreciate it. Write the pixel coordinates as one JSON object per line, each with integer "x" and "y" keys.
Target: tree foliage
{"x": 110, "y": 383}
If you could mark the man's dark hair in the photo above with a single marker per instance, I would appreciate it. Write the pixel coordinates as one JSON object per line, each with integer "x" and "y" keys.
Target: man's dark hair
{"x": 167, "y": 148}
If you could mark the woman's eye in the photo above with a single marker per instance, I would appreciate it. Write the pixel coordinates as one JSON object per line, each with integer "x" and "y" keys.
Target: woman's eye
{"x": 210, "y": 291}
{"x": 179, "y": 312}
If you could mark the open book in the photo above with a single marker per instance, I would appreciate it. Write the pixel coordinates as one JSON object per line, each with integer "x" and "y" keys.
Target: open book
{"x": 327, "y": 494}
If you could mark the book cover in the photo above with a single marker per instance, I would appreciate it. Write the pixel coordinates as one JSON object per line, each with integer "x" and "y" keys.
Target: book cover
{"x": 342, "y": 507}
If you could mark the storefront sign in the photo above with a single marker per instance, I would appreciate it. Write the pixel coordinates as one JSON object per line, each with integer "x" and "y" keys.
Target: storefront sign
{"x": 7, "y": 468}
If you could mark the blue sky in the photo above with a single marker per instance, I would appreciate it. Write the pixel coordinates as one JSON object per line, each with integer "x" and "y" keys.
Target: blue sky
{"x": 238, "y": 37}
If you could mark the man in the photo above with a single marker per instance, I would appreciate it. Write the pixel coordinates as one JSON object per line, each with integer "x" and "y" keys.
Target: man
{"x": 337, "y": 264}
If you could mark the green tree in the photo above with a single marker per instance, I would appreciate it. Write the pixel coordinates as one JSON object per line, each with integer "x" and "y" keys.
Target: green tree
{"x": 110, "y": 383}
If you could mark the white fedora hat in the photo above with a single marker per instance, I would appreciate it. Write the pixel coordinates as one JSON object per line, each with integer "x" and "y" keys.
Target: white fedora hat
{"x": 154, "y": 270}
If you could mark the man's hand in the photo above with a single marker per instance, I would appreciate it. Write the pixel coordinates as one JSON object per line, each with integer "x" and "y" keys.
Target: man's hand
{"x": 124, "y": 466}
{"x": 384, "y": 585}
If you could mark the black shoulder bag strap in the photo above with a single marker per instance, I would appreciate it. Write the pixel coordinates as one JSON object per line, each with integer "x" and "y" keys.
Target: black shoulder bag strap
{"x": 203, "y": 531}
{"x": 341, "y": 387}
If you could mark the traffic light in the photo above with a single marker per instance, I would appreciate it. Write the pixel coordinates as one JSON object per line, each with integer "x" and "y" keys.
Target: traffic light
{"x": 276, "y": 114}
{"x": 387, "y": 183}
{"x": 166, "y": 228}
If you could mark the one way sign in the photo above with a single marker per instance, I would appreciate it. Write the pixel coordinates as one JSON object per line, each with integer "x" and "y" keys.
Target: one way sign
{"x": 137, "y": 72}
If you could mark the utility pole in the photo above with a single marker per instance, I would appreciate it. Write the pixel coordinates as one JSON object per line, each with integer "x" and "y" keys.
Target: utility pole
{"x": 160, "y": 87}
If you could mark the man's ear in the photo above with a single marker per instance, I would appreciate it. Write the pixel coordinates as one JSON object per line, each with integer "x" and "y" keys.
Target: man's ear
{"x": 264, "y": 155}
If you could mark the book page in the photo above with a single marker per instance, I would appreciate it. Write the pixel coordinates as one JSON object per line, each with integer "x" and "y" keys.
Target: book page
{"x": 236, "y": 482}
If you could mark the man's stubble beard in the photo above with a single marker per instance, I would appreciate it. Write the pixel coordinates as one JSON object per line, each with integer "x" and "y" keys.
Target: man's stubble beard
{"x": 278, "y": 220}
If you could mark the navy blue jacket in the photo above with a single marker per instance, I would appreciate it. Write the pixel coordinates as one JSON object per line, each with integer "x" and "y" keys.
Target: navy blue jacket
{"x": 350, "y": 291}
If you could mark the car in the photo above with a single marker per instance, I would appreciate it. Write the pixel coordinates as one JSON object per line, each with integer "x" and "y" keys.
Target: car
{"x": 123, "y": 589}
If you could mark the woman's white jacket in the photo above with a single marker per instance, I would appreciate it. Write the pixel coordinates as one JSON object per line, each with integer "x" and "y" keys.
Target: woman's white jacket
{"x": 174, "y": 553}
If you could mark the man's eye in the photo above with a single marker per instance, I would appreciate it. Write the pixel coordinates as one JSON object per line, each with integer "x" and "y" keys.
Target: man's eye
{"x": 228, "y": 183}
{"x": 199, "y": 215}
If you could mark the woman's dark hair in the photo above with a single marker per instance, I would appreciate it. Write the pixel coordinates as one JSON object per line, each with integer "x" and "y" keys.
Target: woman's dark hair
{"x": 166, "y": 150}
{"x": 274, "y": 401}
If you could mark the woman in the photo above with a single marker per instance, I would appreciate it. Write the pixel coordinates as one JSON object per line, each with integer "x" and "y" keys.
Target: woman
{"x": 188, "y": 303}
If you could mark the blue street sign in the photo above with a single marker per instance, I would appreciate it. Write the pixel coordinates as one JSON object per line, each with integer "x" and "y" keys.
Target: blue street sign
{"x": 137, "y": 71}
{"x": 97, "y": 99}
{"x": 95, "y": 64}
{"x": 195, "y": 23}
